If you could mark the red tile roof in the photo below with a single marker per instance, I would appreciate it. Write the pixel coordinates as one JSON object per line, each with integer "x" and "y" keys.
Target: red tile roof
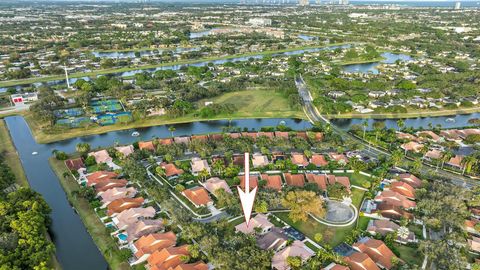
{"x": 361, "y": 261}
{"x": 299, "y": 159}
{"x": 171, "y": 170}
{"x": 297, "y": 180}
{"x": 377, "y": 251}
{"x": 281, "y": 134}
{"x": 75, "y": 164}
{"x": 253, "y": 181}
{"x": 395, "y": 199}
{"x": 166, "y": 141}
{"x": 411, "y": 179}
{"x": 146, "y": 145}
{"x": 120, "y": 205}
{"x": 319, "y": 179}
{"x": 192, "y": 266}
{"x": 403, "y": 188}
{"x": 197, "y": 195}
{"x": 167, "y": 257}
{"x": 319, "y": 160}
{"x": 273, "y": 181}
{"x": 148, "y": 244}
{"x": 266, "y": 134}
{"x": 98, "y": 176}
{"x": 203, "y": 138}
{"x": 107, "y": 184}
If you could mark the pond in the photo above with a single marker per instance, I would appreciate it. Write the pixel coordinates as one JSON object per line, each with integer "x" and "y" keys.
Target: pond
{"x": 390, "y": 58}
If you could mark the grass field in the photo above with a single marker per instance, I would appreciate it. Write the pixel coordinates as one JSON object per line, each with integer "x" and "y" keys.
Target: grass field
{"x": 257, "y": 103}
{"x": 409, "y": 254}
{"x": 411, "y": 114}
{"x": 97, "y": 230}
{"x": 11, "y": 156}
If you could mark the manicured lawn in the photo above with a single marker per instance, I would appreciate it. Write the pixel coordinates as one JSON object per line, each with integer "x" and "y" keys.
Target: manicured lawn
{"x": 95, "y": 227}
{"x": 409, "y": 254}
{"x": 357, "y": 179}
{"x": 362, "y": 223}
{"x": 7, "y": 149}
{"x": 256, "y": 103}
{"x": 357, "y": 197}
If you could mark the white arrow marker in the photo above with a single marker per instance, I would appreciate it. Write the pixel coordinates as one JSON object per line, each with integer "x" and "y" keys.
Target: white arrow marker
{"x": 248, "y": 197}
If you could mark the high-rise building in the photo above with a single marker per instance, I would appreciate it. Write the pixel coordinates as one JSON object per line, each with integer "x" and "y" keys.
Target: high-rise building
{"x": 303, "y": 2}
{"x": 458, "y": 5}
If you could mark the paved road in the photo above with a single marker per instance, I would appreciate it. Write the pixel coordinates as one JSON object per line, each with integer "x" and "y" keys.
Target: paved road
{"x": 314, "y": 115}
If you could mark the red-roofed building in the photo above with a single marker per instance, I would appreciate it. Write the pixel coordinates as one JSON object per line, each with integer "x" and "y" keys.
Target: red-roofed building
{"x": 340, "y": 158}
{"x": 376, "y": 250}
{"x": 410, "y": 179}
{"x": 120, "y": 205}
{"x": 146, "y": 146}
{"x": 75, "y": 164}
{"x": 392, "y": 212}
{"x": 299, "y": 159}
{"x": 107, "y": 184}
{"x": 297, "y": 180}
{"x": 281, "y": 134}
{"x": 171, "y": 170}
{"x": 266, "y": 134}
{"x": 319, "y": 179}
{"x": 167, "y": 258}
{"x": 395, "y": 199}
{"x": 198, "y": 196}
{"x": 360, "y": 261}
{"x": 253, "y": 181}
{"x": 98, "y": 176}
{"x": 148, "y": 244}
{"x": 191, "y": 266}
{"x": 202, "y": 138}
{"x": 318, "y": 160}
{"x": 403, "y": 188}
{"x": 273, "y": 181}
{"x": 166, "y": 141}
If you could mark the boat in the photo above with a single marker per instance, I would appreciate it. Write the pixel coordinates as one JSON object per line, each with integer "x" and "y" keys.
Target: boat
{"x": 450, "y": 120}
{"x": 34, "y": 153}
{"x": 135, "y": 134}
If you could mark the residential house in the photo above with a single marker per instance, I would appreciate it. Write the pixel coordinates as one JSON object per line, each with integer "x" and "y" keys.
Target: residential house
{"x": 274, "y": 240}
{"x": 318, "y": 160}
{"x": 146, "y": 146}
{"x": 75, "y": 164}
{"x": 106, "y": 184}
{"x": 239, "y": 160}
{"x": 101, "y": 156}
{"x": 281, "y": 134}
{"x": 433, "y": 154}
{"x": 117, "y": 193}
{"x": 412, "y": 147}
{"x": 451, "y": 135}
{"x": 340, "y": 158}
{"x": 130, "y": 216}
{"x": 171, "y": 170}
{"x": 334, "y": 266}
{"x": 126, "y": 150}
{"x": 198, "y": 196}
{"x": 406, "y": 136}
{"x": 148, "y": 244}
{"x": 392, "y": 211}
{"x": 299, "y": 159}
{"x": 410, "y": 179}
{"x": 273, "y": 181}
{"x": 296, "y": 249}
{"x": 167, "y": 258}
{"x": 202, "y": 138}
{"x": 199, "y": 165}
{"x": 474, "y": 244}
{"x": 403, "y": 188}
{"x": 192, "y": 266}
{"x": 470, "y": 225}
{"x": 120, "y": 205}
{"x": 259, "y": 221}
{"x": 456, "y": 162}
{"x": 96, "y": 177}
{"x": 319, "y": 179}
{"x": 360, "y": 261}
{"x": 395, "y": 199}
{"x": 143, "y": 227}
{"x": 215, "y": 183}
{"x": 297, "y": 180}
{"x": 381, "y": 226}
{"x": 259, "y": 160}
{"x": 429, "y": 135}
{"x": 253, "y": 181}
{"x": 165, "y": 141}
{"x": 377, "y": 250}
{"x": 182, "y": 140}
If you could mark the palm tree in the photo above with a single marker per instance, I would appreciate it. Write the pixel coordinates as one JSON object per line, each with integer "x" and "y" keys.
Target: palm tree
{"x": 365, "y": 125}
{"x": 400, "y": 124}
{"x": 172, "y": 129}
{"x": 82, "y": 148}
{"x": 446, "y": 156}
{"x": 467, "y": 163}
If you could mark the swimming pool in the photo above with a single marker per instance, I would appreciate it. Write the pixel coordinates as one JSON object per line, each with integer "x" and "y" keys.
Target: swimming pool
{"x": 122, "y": 236}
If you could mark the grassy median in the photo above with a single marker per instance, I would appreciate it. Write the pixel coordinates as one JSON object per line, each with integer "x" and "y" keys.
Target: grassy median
{"x": 95, "y": 227}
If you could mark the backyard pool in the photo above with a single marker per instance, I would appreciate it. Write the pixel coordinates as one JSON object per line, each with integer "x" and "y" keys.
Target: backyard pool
{"x": 122, "y": 236}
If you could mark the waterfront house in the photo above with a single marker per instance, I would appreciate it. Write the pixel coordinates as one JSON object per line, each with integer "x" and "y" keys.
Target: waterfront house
{"x": 126, "y": 150}
{"x": 474, "y": 244}
{"x": 429, "y": 135}
{"x": 148, "y": 244}
{"x": 259, "y": 221}
{"x": 273, "y": 181}
{"x": 75, "y": 164}
{"x": 143, "y": 227}
{"x": 215, "y": 183}
{"x": 297, "y": 180}
{"x": 182, "y": 140}
{"x": 146, "y": 146}
{"x": 120, "y": 205}
{"x": 101, "y": 156}
{"x": 130, "y": 216}
{"x": 281, "y": 134}
{"x": 167, "y": 258}
{"x": 296, "y": 249}
{"x": 198, "y": 196}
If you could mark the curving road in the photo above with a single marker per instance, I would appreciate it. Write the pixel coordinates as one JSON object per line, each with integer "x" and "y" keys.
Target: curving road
{"x": 314, "y": 116}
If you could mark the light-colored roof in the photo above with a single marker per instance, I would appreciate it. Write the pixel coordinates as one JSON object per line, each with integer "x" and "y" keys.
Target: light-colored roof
{"x": 474, "y": 244}
{"x": 117, "y": 193}
{"x": 299, "y": 159}
{"x": 296, "y": 249}
{"x": 382, "y": 226}
{"x": 341, "y": 158}
{"x": 199, "y": 164}
{"x": 130, "y": 216}
{"x": 215, "y": 183}
{"x": 394, "y": 198}
{"x": 412, "y": 146}
{"x": 125, "y": 150}
{"x": 259, "y": 220}
{"x": 143, "y": 227}
{"x": 259, "y": 160}
{"x": 101, "y": 156}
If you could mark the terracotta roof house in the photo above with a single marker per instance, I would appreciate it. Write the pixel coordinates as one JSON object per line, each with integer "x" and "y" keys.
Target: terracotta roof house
{"x": 474, "y": 244}
{"x": 360, "y": 261}
{"x": 410, "y": 179}
{"x": 470, "y": 225}
{"x": 106, "y": 184}
{"x": 266, "y": 134}
{"x": 167, "y": 258}
{"x": 469, "y": 131}
{"x": 130, "y": 216}
{"x": 430, "y": 135}
{"x": 281, "y": 134}
{"x": 192, "y": 266}
{"x": 253, "y": 181}
{"x": 143, "y": 227}
{"x": 215, "y": 183}
{"x": 297, "y": 180}
{"x": 171, "y": 170}
{"x": 202, "y": 138}
{"x": 395, "y": 199}
{"x": 452, "y": 135}
{"x": 239, "y": 160}
{"x": 125, "y": 150}
{"x": 340, "y": 158}
{"x": 302, "y": 134}
{"x": 275, "y": 240}
{"x": 99, "y": 176}
{"x": 299, "y": 159}
{"x": 296, "y": 249}
{"x": 234, "y": 135}
{"x": 216, "y": 137}
{"x": 343, "y": 180}
{"x": 318, "y": 160}
{"x": 147, "y": 244}
{"x": 101, "y": 156}
{"x": 381, "y": 226}
{"x": 166, "y": 141}
{"x": 120, "y": 205}
{"x": 412, "y": 146}
{"x": 318, "y": 136}
{"x": 273, "y": 181}
{"x": 259, "y": 221}
{"x": 75, "y": 164}
{"x": 259, "y": 160}
{"x": 392, "y": 212}
{"x": 199, "y": 165}
{"x": 334, "y": 266}
{"x": 117, "y": 193}
{"x": 403, "y": 188}
{"x": 376, "y": 250}
{"x": 319, "y": 179}
{"x": 146, "y": 146}
{"x": 252, "y": 135}
{"x": 455, "y": 161}
{"x": 183, "y": 139}
{"x": 433, "y": 154}
{"x": 406, "y": 136}
{"x": 198, "y": 196}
